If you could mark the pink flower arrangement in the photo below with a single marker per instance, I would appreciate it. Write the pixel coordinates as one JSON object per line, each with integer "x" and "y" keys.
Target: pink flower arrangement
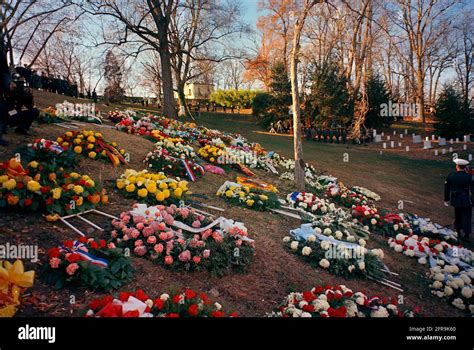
{"x": 151, "y": 232}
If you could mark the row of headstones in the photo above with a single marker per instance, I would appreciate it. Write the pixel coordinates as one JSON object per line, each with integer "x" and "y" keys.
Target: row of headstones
{"x": 426, "y": 142}
{"x": 436, "y": 152}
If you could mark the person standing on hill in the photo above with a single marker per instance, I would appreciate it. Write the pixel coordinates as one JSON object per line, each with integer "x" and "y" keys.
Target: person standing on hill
{"x": 459, "y": 193}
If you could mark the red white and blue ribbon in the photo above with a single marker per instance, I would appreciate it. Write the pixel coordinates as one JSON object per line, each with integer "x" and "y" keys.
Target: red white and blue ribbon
{"x": 79, "y": 248}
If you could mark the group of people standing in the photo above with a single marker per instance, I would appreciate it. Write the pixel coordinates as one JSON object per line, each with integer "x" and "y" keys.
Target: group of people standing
{"x": 55, "y": 84}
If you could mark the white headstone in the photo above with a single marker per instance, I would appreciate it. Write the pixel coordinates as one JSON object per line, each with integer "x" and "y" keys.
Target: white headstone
{"x": 399, "y": 144}
{"x": 467, "y": 138}
{"x": 426, "y": 144}
{"x": 441, "y": 141}
{"x": 451, "y": 141}
{"x": 407, "y": 148}
{"x": 443, "y": 151}
{"x": 433, "y": 137}
{"x": 375, "y": 132}
{"x": 378, "y": 138}
{"x": 406, "y": 131}
{"x": 388, "y": 138}
{"x": 457, "y": 139}
{"x": 416, "y": 139}
{"x": 436, "y": 152}
{"x": 382, "y": 133}
{"x": 450, "y": 150}
{"x": 384, "y": 145}
{"x": 392, "y": 144}
{"x": 469, "y": 157}
{"x": 464, "y": 147}
{"x": 401, "y": 136}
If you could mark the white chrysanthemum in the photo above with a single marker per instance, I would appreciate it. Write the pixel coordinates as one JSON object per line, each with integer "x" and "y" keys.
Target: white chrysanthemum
{"x": 286, "y": 239}
{"x": 327, "y": 231}
{"x": 380, "y": 312}
{"x": 448, "y": 291}
{"x": 458, "y": 302}
{"x": 311, "y": 238}
{"x": 466, "y": 292}
{"x": 294, "y": 245}
{"x": 324, "y": 263}
{"x": 351, "y": 268}
{"x": 164, "y": 297}
{"x": 437, "y": 284}
{"x": 306, "y": 251}
{"x": 373, "y": 222}
{"x": 361, "y": 265}
{"x": 362, "y": 242}
{"x": 398, "y": 248}
{"x": 439, "y": 277}
{"x": 317, "y": 230}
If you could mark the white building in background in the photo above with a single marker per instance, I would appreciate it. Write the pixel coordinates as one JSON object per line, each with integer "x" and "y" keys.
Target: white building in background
{"x": 197, "y": 91}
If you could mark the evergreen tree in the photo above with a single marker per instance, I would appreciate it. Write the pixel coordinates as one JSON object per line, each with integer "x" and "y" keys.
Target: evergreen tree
{"x": 280, "y": 88}
{"x": 377, "y": 93}
{"x": 113, "y": 75}
{"x": 329, "y": 94}
{"x": 453, "y": 118}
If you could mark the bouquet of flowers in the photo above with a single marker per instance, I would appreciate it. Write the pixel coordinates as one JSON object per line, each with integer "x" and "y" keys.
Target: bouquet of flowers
{"x": 339, "y": 258}
{"x": 248, "y": 197}
{"x": 13, "y": 282}
{"x": 186, "y": 303}
{"x": 257, "y": 185}
{"x": 39, "y": 187}
{"x": 143, "y": 126}
{"x": 87, "y": 262}
{"x": 117, "y": 116}
{"x": 365, "y": 192}
{"x": 426, "y": 228}
{"x": 454, "y": 285}
{"x": 175, "y": 159}
{"x": 387, "y": 224}
{"x": 345, "y": 197}
{"x": 309, "y": 202}
{"x": 150, "y": 187}
{"x": 211, "y": 153}
{"x": 93, "y": 145}
{"x": 340, "y": 301}
{"x": 49, "y": 152}
{"x": 181, "y": 238}
{"x": 48, "y": 116}
{"x": 424, "y": 247}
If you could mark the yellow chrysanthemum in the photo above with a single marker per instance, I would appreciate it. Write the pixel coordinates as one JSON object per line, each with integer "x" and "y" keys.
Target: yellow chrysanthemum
{"x": 250, "y": 202}
{"x": 33, "y": 164}
{"x": 151, "y": 187}
{"x": 3, "y": 178}
{"x": 56, "y": 193}
{"x": 78, "y": 149}
{"x": 178, "y": 192}
{"x": 120, "y": 184}
{"x": 92, "y": 155}
{"x": 130, "y": 188}
{"x": 160, "y": 196}
{"x": 33, "y": 186}
{"x": 78, "y": 189}
{"x": 142, "y": 192}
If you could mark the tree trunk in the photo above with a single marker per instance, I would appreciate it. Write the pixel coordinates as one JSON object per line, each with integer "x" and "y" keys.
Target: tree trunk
{"x": 182, "y": 99}
{"x": 297, "y": 143}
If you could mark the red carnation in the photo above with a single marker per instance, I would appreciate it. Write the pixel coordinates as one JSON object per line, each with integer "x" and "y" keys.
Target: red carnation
{"x": 28, "y": 202}
{"x": 82, "y": 239}
{"x": 72, "y": 258}
{"x": 190, "y": 294}
{"x": 68, "y": 244}
{"x": 45, "y": 189}
{"x": 94, "y": 245}
{"x": 172, "y": 315}
{"x": 308, "y": 308}
{"x": 176, "y": 298}
{"x": 308, "y": 297}
{"x": 193, "y": 310}
{"x": 140, "y": 295}
{"x": 19, "y": 185}
{"x": 54, "y": 252}
{"x": 217, "y": 314}
{"x": 131, "y": 313}
{"x": 158, "y": 303}
{"x": 123, "y": 296}
{"x": 102, "y": 243}
{"x": 204, "y": 298}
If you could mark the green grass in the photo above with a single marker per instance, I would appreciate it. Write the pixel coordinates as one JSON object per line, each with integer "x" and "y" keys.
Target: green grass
{"x": 417, "y": 182}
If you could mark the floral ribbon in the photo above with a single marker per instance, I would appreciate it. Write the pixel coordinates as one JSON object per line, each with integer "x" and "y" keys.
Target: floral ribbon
{"x": 79, "y": 248}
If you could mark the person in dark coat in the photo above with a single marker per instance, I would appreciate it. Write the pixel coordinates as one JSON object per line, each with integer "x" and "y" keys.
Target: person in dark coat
{"x": 459, "y": 193}
{"x": 17, "y": 108}
{"x": 94, "y": 96}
